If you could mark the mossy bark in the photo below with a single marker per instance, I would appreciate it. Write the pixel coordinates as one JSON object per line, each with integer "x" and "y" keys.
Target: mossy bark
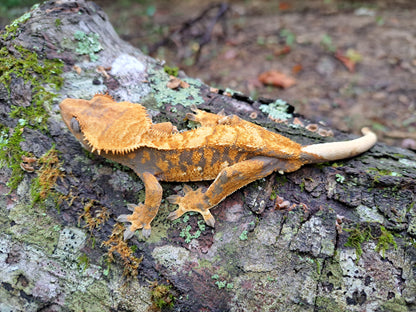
{"x": 345, "y": 243}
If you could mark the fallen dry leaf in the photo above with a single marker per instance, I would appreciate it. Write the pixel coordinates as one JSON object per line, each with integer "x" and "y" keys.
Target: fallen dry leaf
{"x": 297, "y": 121}
{"x": 346, "y": 61}
{"x": 184, "y": 84}
{"x": 175, "y": 82}
{"x": 275, "y": 78}
{"x": 281, "y": 203}
{"x": 283, "y": 6}
{"x": 28, "y": 159}
{"x": 77, "y": 69}
{"x": 103, "y": 71}
{"x": 296, "y": 69}
{"x": 26, "y": 163}
{"x": 285, "y": 50}
{"x": 27, "y": 167}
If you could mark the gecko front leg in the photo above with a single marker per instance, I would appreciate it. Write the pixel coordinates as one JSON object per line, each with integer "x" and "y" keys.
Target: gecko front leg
{"x": 227, "y": 182}
{"x": 143, "y": 214}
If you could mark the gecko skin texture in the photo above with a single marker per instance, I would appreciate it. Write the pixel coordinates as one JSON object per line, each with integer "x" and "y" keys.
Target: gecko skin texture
{"x": 229, "y": 150}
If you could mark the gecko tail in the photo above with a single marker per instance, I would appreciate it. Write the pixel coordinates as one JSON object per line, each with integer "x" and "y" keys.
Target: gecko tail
{"x": 339, "y": 150}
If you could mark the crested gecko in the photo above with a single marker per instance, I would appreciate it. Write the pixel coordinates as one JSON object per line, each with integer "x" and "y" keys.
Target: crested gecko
{"x": 229, "y": 150}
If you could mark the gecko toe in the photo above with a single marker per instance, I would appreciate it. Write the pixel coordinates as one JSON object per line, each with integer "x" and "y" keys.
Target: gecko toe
{"x": 122, "y": 218}
{"x": 187, "y": 189}
{"x": 194, "y": 108}
{"x": 128, "y": 234}
{"x": 174, "y": 215}
{"x": 131, "y": 207}
{"x": 173, "y": 199}
{"x": 209, "y": 220}
{"x": 191, "y": 116}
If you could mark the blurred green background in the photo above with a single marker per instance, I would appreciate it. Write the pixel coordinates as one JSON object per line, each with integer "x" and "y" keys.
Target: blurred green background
{"x": 11, "y": 9}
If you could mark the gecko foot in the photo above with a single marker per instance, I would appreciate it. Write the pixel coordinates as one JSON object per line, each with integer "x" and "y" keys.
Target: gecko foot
{"x": 204, "y": 118}
{"x": 138, "y": 221}
{"x": 191, "y": 201}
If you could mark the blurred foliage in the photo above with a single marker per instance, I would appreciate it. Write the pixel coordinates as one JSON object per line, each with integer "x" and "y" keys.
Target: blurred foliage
{"x": 11, "y": 9}
{"x": 8, "y": 4}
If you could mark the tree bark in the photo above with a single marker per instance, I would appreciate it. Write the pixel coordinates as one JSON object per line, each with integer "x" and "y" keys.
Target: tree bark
{"x": 345, "y": 242}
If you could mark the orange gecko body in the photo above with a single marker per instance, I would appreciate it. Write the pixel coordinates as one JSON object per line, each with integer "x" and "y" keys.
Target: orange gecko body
{"x": 229, "y": 150}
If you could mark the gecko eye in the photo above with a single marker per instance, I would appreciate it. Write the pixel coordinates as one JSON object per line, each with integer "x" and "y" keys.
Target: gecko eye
{"x": 75, "y": 125}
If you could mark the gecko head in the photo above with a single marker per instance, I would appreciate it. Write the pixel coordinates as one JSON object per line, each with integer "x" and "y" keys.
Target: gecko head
{"x": 72, "y": 112}
{"x": 103, "y": 124}
{"x": 77, "y": 112}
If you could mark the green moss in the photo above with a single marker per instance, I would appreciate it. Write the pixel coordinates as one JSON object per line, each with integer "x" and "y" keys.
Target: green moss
{"x": 323, "y": 165}
{"x": 385, "y": 240}
{"x": 327, "y": 304}
{"x": 11, "y": 153}
{"x": 382, "y": 172}
{"x": 11, "y": 31}
{"x": 394, "y": 305}
{"x": 58, "y": 23}
{"x": 339, "y": 178}
{"x": 50, "y": 170}
{"x": 289, "y": 36}
{"x": 162, "y": 296}
{"x": 171, "y": 71}
{"x": 357, "y": 237}
{"x": 83, "y": 262}
{"x": 302, "y": 185}
{"x": 36, "y": 72}
{"x": 88, "y": 44}
{"x": 281, "y": 180}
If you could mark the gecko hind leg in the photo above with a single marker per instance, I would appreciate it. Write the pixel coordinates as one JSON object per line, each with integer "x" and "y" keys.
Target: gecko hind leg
{"x": 193, "y": 200}
{"x": 227, "y": 182}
